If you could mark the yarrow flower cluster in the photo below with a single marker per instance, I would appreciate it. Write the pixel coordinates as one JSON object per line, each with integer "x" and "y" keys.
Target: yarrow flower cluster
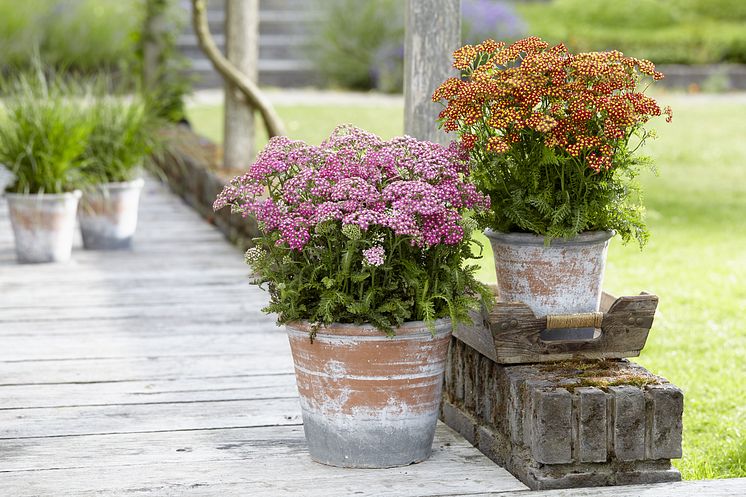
{"x": 581, "y": 105}
{"x": 411, "y": 188}
{"x": 362, "y": 230}
{"x": 552, "y": 135}
{"x": 374, "y": 256}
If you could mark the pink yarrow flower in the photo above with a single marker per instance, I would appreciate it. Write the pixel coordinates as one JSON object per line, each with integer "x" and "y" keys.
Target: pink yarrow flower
{"x": 404, "y": 186}
{"x": 374, "y": 256}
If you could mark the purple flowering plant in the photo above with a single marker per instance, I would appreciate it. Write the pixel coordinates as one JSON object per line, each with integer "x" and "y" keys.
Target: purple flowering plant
{"x": 362, "y": 230}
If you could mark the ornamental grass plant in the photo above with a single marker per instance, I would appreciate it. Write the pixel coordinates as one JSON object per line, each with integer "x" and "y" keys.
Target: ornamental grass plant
{"x": 43, "y": 134}
{"x": 553, "y": 136}
{"x": 122, "y": 137}
{"x": 361, "y": 230}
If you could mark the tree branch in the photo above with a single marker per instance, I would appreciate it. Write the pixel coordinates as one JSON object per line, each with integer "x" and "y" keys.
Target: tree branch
{"x": 230, "y": 73}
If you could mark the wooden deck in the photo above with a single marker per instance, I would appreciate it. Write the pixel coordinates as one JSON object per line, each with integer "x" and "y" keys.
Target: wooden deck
{"x": 154, "y": 373}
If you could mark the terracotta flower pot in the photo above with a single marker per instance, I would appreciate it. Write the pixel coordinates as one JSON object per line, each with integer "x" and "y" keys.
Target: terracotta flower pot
{"x": 563, "y": 278}
{"x": 370, "y": 401}
{"x": 43, "y": 225}
{"x": 108, "y": 215}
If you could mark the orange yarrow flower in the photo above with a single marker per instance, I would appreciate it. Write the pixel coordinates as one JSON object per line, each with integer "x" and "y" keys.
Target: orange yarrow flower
{"x": 582, "y": 105}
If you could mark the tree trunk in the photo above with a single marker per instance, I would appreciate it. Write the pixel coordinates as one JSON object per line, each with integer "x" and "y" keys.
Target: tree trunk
{"x": 433, "y": 32}
{"x": 242, "y": 50}
{"x": 245, "y": 85}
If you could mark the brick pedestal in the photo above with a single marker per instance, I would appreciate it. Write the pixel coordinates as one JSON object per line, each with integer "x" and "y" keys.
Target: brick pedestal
{"x": 569, "y": 424}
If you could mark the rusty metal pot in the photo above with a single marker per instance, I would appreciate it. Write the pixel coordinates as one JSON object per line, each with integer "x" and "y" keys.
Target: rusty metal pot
{"x": 562, "y": 278}
{"x": 108, "y": 215}
{"x": 43, "y": 225}
{"x": 370, "y": 401}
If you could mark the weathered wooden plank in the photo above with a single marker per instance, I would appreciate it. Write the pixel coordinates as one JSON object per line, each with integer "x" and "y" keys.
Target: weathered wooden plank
{"x": 235, "y": 310}
{"x": 76, "y": 271}
{"x": 77, "y": 328}
{"x": 91, "y": 296}
{"x": 143, "y": 368}
{"x": 624, "y": 330}
{"x": 143, "y": 418}
{"x": 190, "y": 324}
{"x": 733, "y": 487}
{"x": 140, "y": 256}
{"x": 256, "y": 462}
{"x": 59, "y": 281}
{"x": 146, "y": 392}
{"x": 162, "y": 297}
{"x": 263, "y": 342}
{"x": 513, "y": 335}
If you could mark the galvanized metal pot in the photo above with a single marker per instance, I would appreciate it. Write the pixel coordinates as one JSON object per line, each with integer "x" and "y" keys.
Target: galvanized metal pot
{"x": 43, "y": 225}
{"x": 108, "y": 215}
{"x": 563, "y": 278}
{"x": 370, "y": 401}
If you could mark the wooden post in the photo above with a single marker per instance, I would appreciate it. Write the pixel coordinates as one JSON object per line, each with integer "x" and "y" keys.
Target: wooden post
{"x": 433, "y": 32}
{"x": 242, "y": 49}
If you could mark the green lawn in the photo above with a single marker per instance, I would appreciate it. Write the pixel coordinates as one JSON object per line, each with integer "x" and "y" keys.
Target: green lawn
{"x": 695, "y": 261}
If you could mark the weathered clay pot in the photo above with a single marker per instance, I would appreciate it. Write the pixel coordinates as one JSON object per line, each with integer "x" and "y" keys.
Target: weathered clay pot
{"x": 43, "y": 225}
{"x": 563, "y": 278}
{"x": 108, "y": 215}
{"x": 369, "y": 401}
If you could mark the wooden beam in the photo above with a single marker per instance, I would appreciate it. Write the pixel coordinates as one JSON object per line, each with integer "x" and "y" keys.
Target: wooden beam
{"x": 433, "y": 32}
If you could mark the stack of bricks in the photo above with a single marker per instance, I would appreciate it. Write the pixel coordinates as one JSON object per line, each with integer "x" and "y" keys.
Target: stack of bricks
{"x": 568, "y": 424}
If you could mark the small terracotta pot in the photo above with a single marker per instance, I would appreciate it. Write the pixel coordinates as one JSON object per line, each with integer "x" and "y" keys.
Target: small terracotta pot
{"x": 108, "y": 215}
{"x": 563, "y": 278}
{"x": 43, "y": 225}
{"x": 370, "y": 401}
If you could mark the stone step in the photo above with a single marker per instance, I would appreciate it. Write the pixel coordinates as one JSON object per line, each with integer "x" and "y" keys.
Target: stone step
{"x": 284, "y": 31}
{"x": 268, "y": 52}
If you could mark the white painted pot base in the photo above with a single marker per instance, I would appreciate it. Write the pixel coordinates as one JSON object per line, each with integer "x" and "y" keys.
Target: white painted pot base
{"x": 43, "y": 225}
{"x": 108, "y": 215}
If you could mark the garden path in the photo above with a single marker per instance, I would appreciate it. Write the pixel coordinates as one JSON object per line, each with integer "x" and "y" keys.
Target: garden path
{"x": 154, "y": 373}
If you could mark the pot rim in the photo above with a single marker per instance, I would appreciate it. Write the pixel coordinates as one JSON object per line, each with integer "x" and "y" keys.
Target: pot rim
{"x": 43, "y": 197}
{"x": 514, "y": 238}
{"x": 409, "y": 329}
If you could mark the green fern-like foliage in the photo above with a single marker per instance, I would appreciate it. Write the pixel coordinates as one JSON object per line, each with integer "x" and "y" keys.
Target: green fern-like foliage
{"x": 330, "y": 282}
{"x": 534, "y": 190}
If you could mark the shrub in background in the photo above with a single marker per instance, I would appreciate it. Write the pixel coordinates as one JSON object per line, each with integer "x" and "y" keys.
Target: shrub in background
{"x": 360, "y": 45}
{"x": 166, "y": 87}
{"x": 97, "y": 37}
{"x": 84, "y": 35}
{"x": 670, "y": 32}
{"x": 482, "y": 19}
{"x": 353, "y": 40}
